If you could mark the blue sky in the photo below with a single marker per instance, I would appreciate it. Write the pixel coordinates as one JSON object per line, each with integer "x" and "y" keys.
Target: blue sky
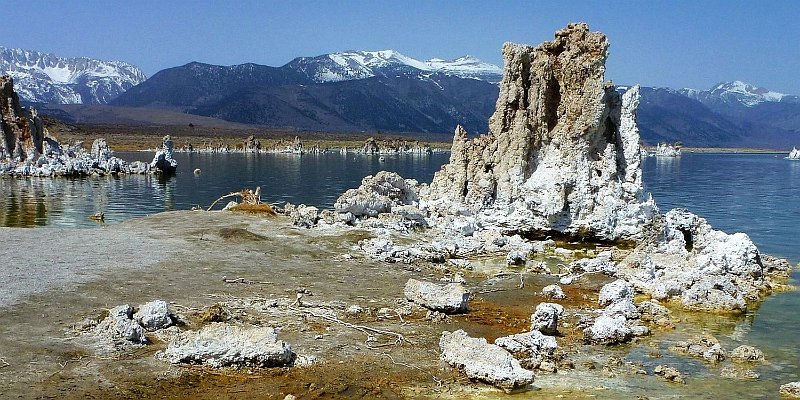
{"x": 657, "y": 43}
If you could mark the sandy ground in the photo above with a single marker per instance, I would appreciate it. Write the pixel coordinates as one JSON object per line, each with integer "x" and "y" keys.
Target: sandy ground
{"x": 53, "y": 279}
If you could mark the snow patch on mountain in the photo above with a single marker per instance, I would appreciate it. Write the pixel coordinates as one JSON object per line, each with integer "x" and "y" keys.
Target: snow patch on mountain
{"x": 351, "y": 65}
{"x": 737, "y": 93}
{"x": 47, "y": 78}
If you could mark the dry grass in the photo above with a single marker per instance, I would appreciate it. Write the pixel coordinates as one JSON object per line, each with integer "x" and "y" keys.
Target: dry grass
{"x": 262, "y": 208}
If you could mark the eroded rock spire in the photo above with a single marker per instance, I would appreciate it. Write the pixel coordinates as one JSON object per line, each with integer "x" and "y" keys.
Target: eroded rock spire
{"x": 562, "y": 153}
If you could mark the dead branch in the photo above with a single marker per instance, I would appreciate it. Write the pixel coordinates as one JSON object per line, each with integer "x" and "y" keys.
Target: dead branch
{"x": 363, "y": 328}
{"x": 4, "y": 363}
{"x": 247, "y": 282}
{"x": 435, "y": 379}
{"x": 248, "y": 196}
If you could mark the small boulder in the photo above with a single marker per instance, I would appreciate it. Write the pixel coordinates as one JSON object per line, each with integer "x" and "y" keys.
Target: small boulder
{"x": 740, "y": 374}
{"x": 545, "y": 318}
{"x": 791, "y": 390}
{"x": 747, "y": 353}
{"x": 154, "y": 315}
{"x": 220, "y": 345}
{"x": 614, "y": 292}
{"x": 120, "y": 325}
{"x": 450, "y": 298}
{"x": 669, "y": 373}
{"x": 516, "y": 257}
{"x": 553, "y": 292}
{"x": 530, "y": 348}
{"x": 483, "y": 361}
{"x": 624, "y": 307}
{"x": 304, "y": 216}
{"x": 608, "y": 330}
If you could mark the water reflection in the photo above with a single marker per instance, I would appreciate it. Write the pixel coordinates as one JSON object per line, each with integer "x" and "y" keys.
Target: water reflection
{"x": 314, "y": 179}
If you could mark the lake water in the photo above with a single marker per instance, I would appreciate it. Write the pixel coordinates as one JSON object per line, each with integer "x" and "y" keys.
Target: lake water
{"x": 754, "y": 193}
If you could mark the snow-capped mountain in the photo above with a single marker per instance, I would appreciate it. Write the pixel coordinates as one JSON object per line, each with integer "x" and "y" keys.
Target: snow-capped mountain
{"x": 737, "y": 93}
{"x": 47, "y": 78}
{"x": 350, "y": 65}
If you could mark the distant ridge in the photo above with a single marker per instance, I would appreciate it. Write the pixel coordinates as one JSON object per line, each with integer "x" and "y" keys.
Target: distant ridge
{"x": 47, "y": 78}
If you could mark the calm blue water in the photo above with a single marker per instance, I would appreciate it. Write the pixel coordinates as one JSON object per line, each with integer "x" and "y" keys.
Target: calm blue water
{"x": 754, "y": 193}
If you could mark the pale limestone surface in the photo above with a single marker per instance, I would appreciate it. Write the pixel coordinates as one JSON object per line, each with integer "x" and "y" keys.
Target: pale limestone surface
{"x": 483, "y": 361}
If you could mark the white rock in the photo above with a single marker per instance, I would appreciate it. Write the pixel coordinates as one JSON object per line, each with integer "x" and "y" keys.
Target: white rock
{"x": 608, "y": 330}
{"x": 449, "y": 298}
{"x": 483, "y": 361}
{"x": 120, "y": 325}
{"x": 791, "y": 390}
{"x": 553, "y": 292}
{"x": 154, "y": 315}
{"x": 614, "y": 292}
{"x": 531, "y": 348}
{"x": 221, "y": 344}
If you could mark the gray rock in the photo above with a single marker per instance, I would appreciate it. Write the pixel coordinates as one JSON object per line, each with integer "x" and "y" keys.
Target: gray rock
{"x": 669, "y": 373}
{"x": 120, "y": 325}
{"x": 304, "y": 216}
{"x": 450, "y": 298}
{"x": 740, "y": 374}
{"x": 222, "y": 344}
{"x": 163, "y": 161}
{"x": 650, "y": 311}
{"x": 483, "y": 361}
{"x": 545, "y": 318}
{"x": 747, "y": 353}
{"x": 791, "y": 390}
{"x": 608, "y": 330}
{"x": 154, "y": 315}
{"x": 530, "y": 348}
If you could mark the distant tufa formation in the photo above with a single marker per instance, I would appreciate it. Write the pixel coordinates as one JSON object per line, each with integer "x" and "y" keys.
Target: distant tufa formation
{"x": 26, "y": 149}
{"x": 562, "y": 153}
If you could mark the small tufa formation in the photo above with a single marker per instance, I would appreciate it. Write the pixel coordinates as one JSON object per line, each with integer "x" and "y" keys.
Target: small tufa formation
{"x": 162, "y": 160}
{"x": 219, "y": 345}
{"x": 791, "y": 390}
{"x": 530, "y": 348}
{"x": 483, "y": 361}
{"x": 252, "y": 145}
{"x": 450, "y": 298}
{"x": 562, "y": 153}
{"x": 21, "y": 131}
{"x": 545, "y": 318}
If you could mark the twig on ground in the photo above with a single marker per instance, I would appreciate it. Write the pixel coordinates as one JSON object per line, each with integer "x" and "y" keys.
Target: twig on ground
{"x": 435, "y": 379}
{"x": 248, "y": 282}
{"x": 521, "y": 282}
{"x": 363, "y": 328}
{"x": 4, "y": 363}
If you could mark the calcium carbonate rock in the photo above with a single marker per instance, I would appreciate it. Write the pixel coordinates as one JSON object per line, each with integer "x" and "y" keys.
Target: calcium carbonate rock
{"x": 120, "y": 325}
{"x": 154, "y": 315}
{"x": 669, "y": 373}
{"x": 221, "y": 344}
{"x": 545, "y": 318}
{"x": 377, "y": 194}
{"x": 704, "y": 346}
{"x": 304, "y": 216}
{"x": 162, "y": 160}
{"x": 608, "y": 330}
{"x": 562, "y": 153}
{"x": 614, "y": 292}
{"x": 450, "y": 298}
{"x": 602, "y": 263}
{"x": 623, "y": 307}
{"x": 791, "y": 390}
{"x": 747, "y": 353}
{"x": 553, "y": 292}
{"x": 650, "y": 311}
{"x": 705, "y": 269}
{"x": 483, "y": 361}
{"x": 530, "y": 348}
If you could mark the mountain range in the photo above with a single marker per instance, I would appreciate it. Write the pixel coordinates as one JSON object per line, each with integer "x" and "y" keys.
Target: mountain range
{"x": 47, "y": 78}
{"x": 385, "y": 90}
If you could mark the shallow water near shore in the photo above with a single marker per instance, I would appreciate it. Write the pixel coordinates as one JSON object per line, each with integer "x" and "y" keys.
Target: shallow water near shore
{"x": 751, "y": 193}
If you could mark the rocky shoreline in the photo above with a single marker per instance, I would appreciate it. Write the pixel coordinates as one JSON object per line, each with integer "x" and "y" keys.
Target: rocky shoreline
{"x": 533, "y": 263}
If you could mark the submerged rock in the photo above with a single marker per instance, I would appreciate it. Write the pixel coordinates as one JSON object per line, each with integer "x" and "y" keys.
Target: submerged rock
{"x": 220, "y": 345}
{"x": 450, "y": 298}
{"x": 747, "y": 353}
{"x": 669, "y": 373}
{"x": 791, "y": 390}
{"x": 704, "y": 346}
{"x": 483, "y": 361}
